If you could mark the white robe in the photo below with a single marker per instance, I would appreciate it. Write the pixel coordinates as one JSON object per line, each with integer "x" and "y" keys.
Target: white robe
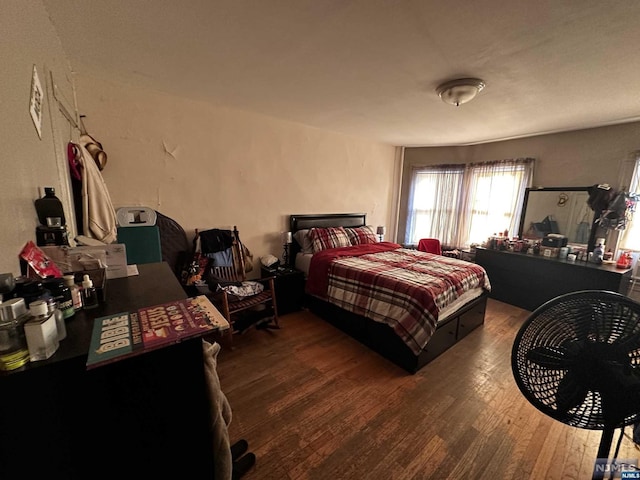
{"x": 98, "y": 214}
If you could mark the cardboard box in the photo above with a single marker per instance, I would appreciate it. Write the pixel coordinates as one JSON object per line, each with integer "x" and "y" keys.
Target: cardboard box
{"x": 116, "y": 258}
{"x": 113, "y": 257}
{"x": 550, "y": 252}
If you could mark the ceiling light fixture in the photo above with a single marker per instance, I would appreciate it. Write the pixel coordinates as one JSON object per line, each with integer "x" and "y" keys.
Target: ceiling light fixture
{"x": 462, "y": 90}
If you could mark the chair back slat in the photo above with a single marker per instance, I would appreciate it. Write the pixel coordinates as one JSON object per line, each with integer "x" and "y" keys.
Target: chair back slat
{"x": 235, "y": 272}
{"x": 225, "y": 273}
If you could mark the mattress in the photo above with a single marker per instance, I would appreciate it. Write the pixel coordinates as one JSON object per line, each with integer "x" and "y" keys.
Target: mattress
{"x": 303, "y": 260}
{"x": 463, "y": 299}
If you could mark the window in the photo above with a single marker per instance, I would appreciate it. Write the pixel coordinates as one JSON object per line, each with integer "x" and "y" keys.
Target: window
{"x": 433, "y": 203}
{"x": 465, "y": 204}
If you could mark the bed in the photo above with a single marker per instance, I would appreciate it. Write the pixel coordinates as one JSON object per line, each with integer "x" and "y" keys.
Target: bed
{"x": 408, "y": 306}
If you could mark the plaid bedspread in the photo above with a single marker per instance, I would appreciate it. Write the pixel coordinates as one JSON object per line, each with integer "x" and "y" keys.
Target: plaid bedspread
{"x": 406, "y": 289}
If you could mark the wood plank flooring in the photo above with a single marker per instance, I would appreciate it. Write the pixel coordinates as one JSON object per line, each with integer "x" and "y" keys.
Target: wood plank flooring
{"x": 315, "y": 404}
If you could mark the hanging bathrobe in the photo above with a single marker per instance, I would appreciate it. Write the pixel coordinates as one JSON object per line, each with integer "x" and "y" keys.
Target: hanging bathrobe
{"x": 98, "y": 215}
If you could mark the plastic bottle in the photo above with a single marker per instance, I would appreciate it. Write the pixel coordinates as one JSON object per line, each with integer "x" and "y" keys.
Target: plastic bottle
{"x": 62, "y": 295}
{"x": 598, "y": 254}
{"x": 89, "y": 294}
{"x": 49, "y": 206}
{"x": 76, "y": 295}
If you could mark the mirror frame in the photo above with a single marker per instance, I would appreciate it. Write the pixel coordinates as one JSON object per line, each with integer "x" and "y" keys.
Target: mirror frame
{"x": 523, "y": 212}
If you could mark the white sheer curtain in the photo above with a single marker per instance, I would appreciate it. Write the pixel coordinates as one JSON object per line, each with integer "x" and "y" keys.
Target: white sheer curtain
{"x": 465, "y": 204}
{"x": 434, "y": 201}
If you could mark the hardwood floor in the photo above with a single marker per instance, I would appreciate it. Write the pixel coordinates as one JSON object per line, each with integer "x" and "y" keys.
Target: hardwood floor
{"x": 315, "y": 404}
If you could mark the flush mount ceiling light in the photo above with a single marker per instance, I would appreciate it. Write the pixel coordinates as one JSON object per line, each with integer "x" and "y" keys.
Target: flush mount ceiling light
{"x": 462, "y": 90}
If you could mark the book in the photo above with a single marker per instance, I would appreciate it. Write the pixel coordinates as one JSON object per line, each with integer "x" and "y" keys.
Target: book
{"x": 125, "y": 334}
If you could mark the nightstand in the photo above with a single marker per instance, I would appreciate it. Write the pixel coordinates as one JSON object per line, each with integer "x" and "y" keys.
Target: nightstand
{"x": 289, "y": 288}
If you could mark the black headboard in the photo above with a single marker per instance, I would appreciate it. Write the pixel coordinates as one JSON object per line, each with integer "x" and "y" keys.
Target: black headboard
{"x": 305, "y": 221}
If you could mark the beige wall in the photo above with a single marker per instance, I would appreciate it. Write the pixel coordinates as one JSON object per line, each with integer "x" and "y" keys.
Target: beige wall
{"x": 579, "y": 158}
{"x": 211, "y": 167}
{"x": 28, "y": 162}
{"x": 207, "y": 167}
{"x": 203, "y": 166}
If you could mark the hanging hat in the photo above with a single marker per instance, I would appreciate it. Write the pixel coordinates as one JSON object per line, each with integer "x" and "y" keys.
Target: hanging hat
{"x": 95, "y": 149}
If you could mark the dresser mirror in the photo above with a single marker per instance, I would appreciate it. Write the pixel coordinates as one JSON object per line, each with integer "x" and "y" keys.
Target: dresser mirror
{"x": 559, "y": 210}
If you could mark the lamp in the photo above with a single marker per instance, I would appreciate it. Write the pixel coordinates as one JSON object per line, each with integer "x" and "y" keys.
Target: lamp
{"x": 286, "y": 241}
{"x": 459, "y": 91}
{"x": 380, "y": 232}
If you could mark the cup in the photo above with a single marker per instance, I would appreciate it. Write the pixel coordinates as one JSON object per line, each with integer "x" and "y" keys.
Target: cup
{"x": 564, "y": 251}
{"x": 571, "y": 257}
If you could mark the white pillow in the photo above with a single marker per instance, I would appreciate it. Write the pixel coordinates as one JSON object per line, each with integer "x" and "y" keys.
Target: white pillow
{"x": 304, "y": 240}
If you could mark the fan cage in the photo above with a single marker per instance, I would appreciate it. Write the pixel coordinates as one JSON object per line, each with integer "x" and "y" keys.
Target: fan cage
{"x": 605, "y": 322}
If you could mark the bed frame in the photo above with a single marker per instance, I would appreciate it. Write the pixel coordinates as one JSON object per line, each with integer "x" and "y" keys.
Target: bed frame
{"x": 378, "y": 336}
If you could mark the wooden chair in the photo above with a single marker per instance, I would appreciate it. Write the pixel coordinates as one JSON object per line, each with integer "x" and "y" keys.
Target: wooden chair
{"x": 259, "y": 310}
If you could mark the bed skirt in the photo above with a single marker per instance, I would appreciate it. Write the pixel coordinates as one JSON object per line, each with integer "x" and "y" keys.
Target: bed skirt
{"x": 381, "y": 338}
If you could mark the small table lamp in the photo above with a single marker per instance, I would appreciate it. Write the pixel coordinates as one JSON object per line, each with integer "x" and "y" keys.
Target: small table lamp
{"x": 287, "y": 238}
{"x": 380, "y": 232}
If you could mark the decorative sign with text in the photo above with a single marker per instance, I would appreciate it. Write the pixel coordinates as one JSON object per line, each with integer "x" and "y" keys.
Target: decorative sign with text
{"x": 36, "y": 101}
{"x": 126, "y": 334}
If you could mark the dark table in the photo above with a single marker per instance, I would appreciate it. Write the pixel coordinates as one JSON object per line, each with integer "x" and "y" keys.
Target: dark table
{"x": 528, "y": 281}
{"x": 138, "y": 417}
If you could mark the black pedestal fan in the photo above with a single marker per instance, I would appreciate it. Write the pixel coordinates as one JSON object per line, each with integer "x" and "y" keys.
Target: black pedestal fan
{"x": 577, "y": 359}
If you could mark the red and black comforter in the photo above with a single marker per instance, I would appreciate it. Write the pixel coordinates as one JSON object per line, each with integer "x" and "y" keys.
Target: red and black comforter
{"x": 406, "y": 289}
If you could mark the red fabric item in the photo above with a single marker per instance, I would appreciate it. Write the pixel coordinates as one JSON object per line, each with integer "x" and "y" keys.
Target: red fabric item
{"x": 318, "y": 278}
{"x": 72, "y": 156}
{"x": 430, "y": 245}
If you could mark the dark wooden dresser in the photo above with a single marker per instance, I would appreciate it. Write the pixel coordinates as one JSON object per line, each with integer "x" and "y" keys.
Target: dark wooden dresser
{"x": 528, "y": 281}
{"x": 142, "y": 417}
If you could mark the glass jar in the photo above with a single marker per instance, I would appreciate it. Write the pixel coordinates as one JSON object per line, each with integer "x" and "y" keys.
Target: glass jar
{"x": 14, "y": 352}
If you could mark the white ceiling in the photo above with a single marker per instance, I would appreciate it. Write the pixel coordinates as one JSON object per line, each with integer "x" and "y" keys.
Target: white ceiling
{"x": 369, "y": 68}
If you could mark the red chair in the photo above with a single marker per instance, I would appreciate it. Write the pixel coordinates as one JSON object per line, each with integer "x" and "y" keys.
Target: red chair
{"x": 430, "y": 245}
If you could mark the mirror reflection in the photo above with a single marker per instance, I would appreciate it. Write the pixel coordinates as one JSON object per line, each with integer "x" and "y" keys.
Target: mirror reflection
{"x": 557, "y": 210}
